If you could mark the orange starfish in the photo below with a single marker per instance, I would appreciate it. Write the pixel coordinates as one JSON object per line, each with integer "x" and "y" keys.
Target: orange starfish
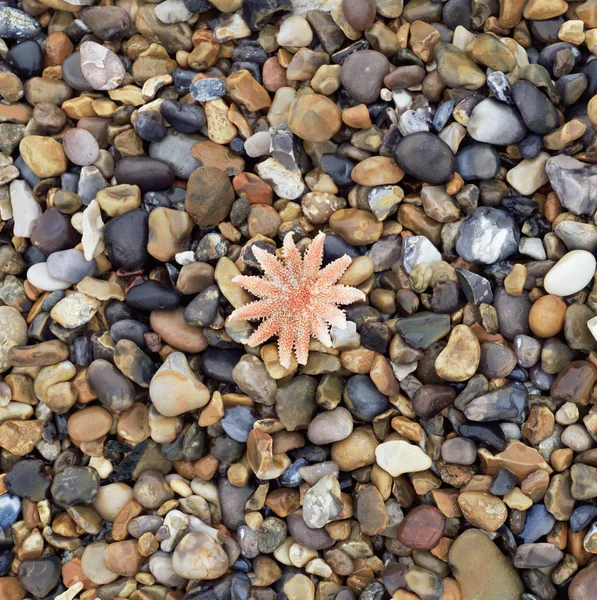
{"x": 297, "y": 299}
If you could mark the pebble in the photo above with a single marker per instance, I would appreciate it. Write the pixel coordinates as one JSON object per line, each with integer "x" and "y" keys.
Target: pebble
{"x": 398, "y": 457}
{"x": 330, "y": 426}
{"x": 416, "y": 152}
{"x": 571, "y": 273}
{"x": 494, "y": 122}
{"x": 481, "y": 570}
{"x": 80, "y": 147}
{"x": 422, "y": 528}
{"x": 487, "y": 235}
{"x": 174, "y": 389}
{"x": 40, "y": 576}
{"x": 363, "y": 73}
{"x": 100, "y": 67}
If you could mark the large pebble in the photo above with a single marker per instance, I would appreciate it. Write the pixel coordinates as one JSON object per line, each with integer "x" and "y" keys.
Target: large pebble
{"x": 398, "y": 457}
{"x": 481, "y": 570}
{"x": 426, "y": 157}
{"x": 570, "y": 274}
{"x": 174, "y": 389}
{"x": 102, "y": 69}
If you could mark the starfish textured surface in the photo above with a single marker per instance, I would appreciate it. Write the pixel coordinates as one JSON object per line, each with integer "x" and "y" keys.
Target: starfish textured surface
{"x": 297, "y": 299}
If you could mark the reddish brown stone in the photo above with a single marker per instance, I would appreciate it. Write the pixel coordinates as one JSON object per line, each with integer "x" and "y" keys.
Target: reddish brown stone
{"x": 584, "y": 584}
{"x": 422, "y": 528}
{"x": 574, "y": 382}
{"x": 253, "y": 188}
{"x": 429, "y": 400}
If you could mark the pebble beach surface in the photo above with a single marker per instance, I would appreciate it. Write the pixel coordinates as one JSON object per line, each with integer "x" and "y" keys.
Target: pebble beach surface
{"x": 297, "y": 300}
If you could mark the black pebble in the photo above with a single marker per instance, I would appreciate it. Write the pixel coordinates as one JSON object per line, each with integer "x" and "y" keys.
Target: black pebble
{"x": 152, "y": 295}
{"x": 150, "y": 126}
{"x": 186, "y": 118}
{"x": 26, "y": 59}
{"x": 126, "y": 240}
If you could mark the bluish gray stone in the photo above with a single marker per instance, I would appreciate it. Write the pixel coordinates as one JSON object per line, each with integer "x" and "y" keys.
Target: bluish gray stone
{"x": 488, "y": 235}
{"x": 175, "y": 149}
{"x": 70, "y": 265}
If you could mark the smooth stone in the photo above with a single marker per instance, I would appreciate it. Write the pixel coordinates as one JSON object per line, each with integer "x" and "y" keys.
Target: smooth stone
{"x": 238, "y": 422}
{"x": 199, "y": 556}
{"x": 174, "y": 389}
{"x": 148, "y": 173}
{"x": 184, "y": 118}
{"x": 496, "y": 123}
{"x": 39, "y": 276}
{"x": 322, "y": 503}
{"x": 80, "y": 146}
{"x": 425, "y": 156}
{"x": 477, "y": 161}
{"x": 25, "y": 59}
{"x": 496, "y": 360}
{"x": 482, "y": 571}
{"x": 10, "y": 507}
{"x": 398, "y": 457}
{"x": 209, "y": 196}
{"x": 583, "y": 584}
{"x": 25, "y": 208}
{"x": 418, "y": 249}
{"x": 574, "y": 183}
{"x": 17, "y": 25}
{"x": 423, "y": 329}
{"x": 476, "y": 288}
{"x": 53, "y": 232}
{"x": 577, "y": 236}
{"x": 317, "y": 539}
{"x": 431, "y": 399}
{"x": 504, "y": 404}
{"x": 75, "y": 485}
{"x": 422, "y": 528}
{"x": 363, "y": 399}
{"x": 570, "y": 274}
{"x": 538, "y": 113}
{"x": 126, "y": 240}
{"x": 175, "y": 150}
{"x": 363, "y": 73}
{"x": 295, "y": 402}
{"x": 113, "y": 389}
{"x": 40, "y": 576}
{"x": 27, "y": 479}
{"x": 459, "y": 360}
{"x": 537, "y": 556}
{"x": 102, "y": 69}
{"x": 513, "y": 313}
{"x": 487, "y": 235}
{"x": 70, "y": 266}
{"x": 330, "y": 426}
{"x": 92, "y": 564}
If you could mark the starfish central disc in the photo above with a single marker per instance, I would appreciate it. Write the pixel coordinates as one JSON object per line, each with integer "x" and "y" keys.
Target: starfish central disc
{"x": 297, "y": 299}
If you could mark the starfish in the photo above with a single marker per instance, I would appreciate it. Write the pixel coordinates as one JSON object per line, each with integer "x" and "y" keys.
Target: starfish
{"x": 297, "y": 299}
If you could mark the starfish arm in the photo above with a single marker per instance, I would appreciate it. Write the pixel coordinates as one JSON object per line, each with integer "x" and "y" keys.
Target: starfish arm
{"x": 272, "y": 267}
{"x": 257, "y": 285}
{"x": 332, "y": 315}
{"x": 345, "y": 294}
{"x": 332, "y": 272}
{"x": 321, "y": 331}
{"x": 301, "y": 342}
{"x": 264, "y": 332}
{"x": 313, "y": 258}
{"x": 254, "y": 310}
{"x": 285, "y": 344}
{"x": 292, "y": 258}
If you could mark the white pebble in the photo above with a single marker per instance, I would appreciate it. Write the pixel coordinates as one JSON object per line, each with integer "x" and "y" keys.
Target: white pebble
{"x": 258, "y": 144}
{"x": 529, "y": 175}
{"x": 570, "y": 274}
{"x": 398, "y": 457}
{"x": 93, "y": 231}
{"x": 25, "y": 208}
{"x": 295, "y": 32}
{"x": 38, "y": 276}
